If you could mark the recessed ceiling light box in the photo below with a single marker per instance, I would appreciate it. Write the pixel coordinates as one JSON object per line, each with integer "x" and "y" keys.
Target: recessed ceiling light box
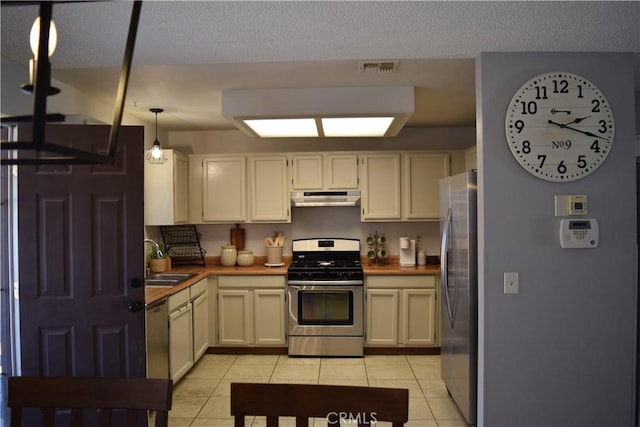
{"x": 320, "y": 112}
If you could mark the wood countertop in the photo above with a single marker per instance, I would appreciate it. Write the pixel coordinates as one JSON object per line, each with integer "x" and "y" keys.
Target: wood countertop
{"x": 395, "y": 269}
{"x": 213, "y": 267}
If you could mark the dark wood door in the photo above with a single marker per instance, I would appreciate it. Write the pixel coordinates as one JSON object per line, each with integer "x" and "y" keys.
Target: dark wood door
{"x": 81, "y": 260}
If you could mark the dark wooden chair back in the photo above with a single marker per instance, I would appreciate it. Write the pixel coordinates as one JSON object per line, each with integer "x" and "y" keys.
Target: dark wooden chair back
{"x": 82, "y": 397}
{"x": 330, "y": 402}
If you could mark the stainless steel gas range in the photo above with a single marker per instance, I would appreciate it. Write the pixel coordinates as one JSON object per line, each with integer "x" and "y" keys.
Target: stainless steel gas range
{"x": 325, "y": 285}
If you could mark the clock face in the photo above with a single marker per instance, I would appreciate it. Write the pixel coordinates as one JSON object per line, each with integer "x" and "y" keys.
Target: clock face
{"x": 559, "y": 127}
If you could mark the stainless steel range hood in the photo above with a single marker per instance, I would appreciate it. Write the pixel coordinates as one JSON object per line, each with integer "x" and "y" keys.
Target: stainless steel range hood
{"x": 325, "y": 198}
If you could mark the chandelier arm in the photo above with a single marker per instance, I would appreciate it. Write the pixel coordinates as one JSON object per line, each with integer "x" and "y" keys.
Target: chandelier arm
{"x": 42, "y": 78}
{"x": 124, "y": 79}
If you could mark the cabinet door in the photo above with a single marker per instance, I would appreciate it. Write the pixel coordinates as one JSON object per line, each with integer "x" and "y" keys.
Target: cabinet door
{"x": 382, "y": 317}
{"x": 180, "y": 188}
{"x": 423, "y": 172}
{"x": 470, "y": 158}
{"x": 224, "y": 189}
{"x": 270, "y": 199}
{"x": 418, "y": 316}
{"x": 166, "y": 192}
{"x": 269, "y": 316}
{"x": 235, "y": 317}
{"x": 341, "y": 171}
{"x": 306, "y": 172}
{"x": 200, "y": 326}
{"x": 180, "y": 341}
{"x": 380, "y": 187}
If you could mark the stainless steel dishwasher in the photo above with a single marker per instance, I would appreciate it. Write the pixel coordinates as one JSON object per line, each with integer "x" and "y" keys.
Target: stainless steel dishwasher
{"x": 157, "y": 327}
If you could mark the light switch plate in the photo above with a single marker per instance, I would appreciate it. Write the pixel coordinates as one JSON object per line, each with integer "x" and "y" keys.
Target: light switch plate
{"x": 510, "y": 282}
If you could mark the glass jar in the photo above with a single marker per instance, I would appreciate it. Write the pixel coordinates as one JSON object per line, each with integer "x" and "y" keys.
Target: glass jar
{"x": 228, "y": 255}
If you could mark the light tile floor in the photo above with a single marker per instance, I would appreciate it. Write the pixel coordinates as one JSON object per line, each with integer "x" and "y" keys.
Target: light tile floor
{"x": 202, "y": 397}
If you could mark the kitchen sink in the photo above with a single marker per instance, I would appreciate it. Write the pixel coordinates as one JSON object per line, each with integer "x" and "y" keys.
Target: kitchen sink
{"x": 167, "y": 279}
{"x": 161, "y": 282}
{"x": 171, "y": 276}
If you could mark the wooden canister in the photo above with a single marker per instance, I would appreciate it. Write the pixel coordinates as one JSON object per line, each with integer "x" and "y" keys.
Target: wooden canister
{"x": 237, "y": 237}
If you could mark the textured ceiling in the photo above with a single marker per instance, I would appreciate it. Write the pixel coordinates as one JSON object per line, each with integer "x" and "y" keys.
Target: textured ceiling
{"x": 187, "y": 52}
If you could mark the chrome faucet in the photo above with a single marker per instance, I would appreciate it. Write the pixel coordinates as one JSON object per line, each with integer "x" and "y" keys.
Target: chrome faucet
{"x": 157, "y": 246}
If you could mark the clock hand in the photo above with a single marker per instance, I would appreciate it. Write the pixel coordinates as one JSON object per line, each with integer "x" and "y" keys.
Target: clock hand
{"x": 593, "y": 135}
{"x": 578, "y": 120}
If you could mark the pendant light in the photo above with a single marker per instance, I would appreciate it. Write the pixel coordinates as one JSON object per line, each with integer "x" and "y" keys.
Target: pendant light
{"x": 156, "y": 156}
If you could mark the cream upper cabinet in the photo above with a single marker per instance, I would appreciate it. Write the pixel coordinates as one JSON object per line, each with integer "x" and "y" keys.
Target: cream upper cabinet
{"x": 401, "y": 311}
{"x": 324, "y": 171}
{"x": 269, "y": 190}
{"x": 341, "y": 171}
{"x": 224, "y": 189}
{"x": 306, "y": 172}
{"x": 380, "y": 186}
{"x": 470, "y": 158}
{"x": 422, "y": 173}
{"x": 166, "y": 190}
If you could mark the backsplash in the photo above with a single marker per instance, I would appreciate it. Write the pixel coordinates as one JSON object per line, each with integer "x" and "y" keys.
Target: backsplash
{"x": 318, "y": 222}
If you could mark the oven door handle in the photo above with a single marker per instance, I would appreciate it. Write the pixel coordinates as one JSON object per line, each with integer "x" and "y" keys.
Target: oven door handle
{"x": 325, "y": 282}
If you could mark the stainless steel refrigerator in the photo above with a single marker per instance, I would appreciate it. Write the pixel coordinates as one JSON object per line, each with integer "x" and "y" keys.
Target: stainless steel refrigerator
{"x": 459, "y": 283}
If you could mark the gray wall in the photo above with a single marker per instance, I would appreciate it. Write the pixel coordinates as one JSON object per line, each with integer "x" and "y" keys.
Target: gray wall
{"x": 561, "y": 352}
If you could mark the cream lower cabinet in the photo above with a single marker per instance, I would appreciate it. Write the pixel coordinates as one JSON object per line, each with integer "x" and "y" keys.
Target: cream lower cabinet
{"x": 251, "y": 311}
{"x": 380, "y": 187}
{"x": 180, "y": 334}
{"x": 382, "y": 316}
{"x": 401, "y": 311}
{"x": 188, "y": 328}
{"x": 200, "y": 303}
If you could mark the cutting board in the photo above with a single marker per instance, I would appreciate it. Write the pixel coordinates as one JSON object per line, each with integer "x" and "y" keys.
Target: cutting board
{"x": 237, "y": 237}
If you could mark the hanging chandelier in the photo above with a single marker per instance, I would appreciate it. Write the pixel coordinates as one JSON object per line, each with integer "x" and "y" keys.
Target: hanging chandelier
{"x": 156, "y": 156}
{"x": 40, "y": 87}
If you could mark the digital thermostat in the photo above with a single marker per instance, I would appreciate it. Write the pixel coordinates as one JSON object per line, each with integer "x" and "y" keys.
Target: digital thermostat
{"x": 570, "y": 204}
{"x": 579, "y": 233}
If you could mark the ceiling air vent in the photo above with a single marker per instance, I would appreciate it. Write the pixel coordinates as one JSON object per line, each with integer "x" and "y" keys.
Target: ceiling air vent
{"x": 378, "y": 66}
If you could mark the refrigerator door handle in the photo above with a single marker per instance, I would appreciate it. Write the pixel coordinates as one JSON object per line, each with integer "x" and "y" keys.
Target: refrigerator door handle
{"x": 444, "y": 263}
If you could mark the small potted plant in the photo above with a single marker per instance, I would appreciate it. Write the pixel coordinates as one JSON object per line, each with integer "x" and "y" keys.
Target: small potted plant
{"x": 158, "y": 259}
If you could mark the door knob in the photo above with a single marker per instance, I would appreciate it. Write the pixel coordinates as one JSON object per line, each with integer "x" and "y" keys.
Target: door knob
{"x": 135, "y": 306}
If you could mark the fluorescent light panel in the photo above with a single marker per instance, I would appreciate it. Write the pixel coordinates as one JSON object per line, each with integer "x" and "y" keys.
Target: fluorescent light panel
{"x": 331, "y": 127}
{"x": 328, "y": 112}
{"x": 274, "y": 128}
{"x": 356, "y": 126}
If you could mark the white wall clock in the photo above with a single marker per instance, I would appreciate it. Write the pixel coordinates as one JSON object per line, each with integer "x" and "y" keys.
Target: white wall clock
{"x": 559, "y": 127}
